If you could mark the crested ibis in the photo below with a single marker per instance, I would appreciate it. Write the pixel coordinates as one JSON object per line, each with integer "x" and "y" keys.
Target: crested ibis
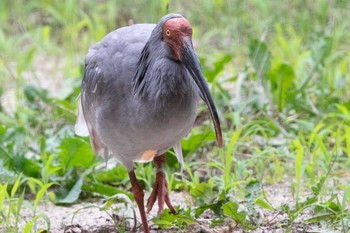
{"x": 139, "y": 98}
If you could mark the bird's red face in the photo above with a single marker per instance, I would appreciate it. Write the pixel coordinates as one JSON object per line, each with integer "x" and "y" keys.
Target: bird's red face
{"x": 175, "y": 32}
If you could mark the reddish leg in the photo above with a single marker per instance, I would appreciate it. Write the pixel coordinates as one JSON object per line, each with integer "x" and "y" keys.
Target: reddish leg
{"x": 139, "y": 195}
{"x": 160, "y": 188}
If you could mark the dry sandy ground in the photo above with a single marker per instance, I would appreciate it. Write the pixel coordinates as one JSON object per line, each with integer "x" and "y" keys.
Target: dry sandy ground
{"x": 93, "y": 220}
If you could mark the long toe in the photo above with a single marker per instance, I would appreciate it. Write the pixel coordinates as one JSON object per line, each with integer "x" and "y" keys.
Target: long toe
{"x": 160, "y": 192}
{"x": 152, "y": 198}
{"x": 168, "y": 203}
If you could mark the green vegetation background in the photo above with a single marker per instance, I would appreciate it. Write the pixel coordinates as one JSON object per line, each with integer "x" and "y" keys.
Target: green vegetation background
{"x": 279, "y": 73}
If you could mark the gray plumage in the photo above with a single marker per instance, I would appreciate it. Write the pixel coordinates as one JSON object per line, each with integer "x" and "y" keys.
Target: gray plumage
{"x": 136, "y": 96}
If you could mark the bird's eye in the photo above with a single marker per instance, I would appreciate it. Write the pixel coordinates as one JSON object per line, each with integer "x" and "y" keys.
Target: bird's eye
{"x": 167, "y": 32}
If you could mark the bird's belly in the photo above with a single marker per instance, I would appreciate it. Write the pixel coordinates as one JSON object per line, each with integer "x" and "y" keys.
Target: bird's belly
{"x": 140, "y": 135}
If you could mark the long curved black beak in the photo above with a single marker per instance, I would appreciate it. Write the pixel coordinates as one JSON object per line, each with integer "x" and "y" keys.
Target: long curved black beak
{"x": 190, "y": 60}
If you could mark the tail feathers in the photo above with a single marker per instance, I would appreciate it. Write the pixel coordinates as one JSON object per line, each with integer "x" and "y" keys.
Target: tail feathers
{"x": 98, "y": 147}
{"x": 178, "y": 152}
{"x": 80, "y": 127}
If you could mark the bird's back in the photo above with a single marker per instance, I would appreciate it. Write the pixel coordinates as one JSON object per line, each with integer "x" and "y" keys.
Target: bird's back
{"x": 114, "y": 58}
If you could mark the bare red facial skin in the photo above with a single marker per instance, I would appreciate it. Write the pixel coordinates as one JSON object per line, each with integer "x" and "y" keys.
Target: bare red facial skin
{"x": 174, "y": 33}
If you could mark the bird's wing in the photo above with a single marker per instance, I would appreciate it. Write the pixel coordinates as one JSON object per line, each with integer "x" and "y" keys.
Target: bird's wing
{"x": 106, "y": 81}
{"x": 86, "y": 121}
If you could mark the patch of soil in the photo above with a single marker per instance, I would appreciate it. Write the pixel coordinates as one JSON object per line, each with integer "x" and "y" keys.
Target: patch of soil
{"x": 86, "y": 217}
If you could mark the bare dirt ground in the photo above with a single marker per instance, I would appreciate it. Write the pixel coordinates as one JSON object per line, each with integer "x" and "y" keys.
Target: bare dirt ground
{"x": 78, "y": 218}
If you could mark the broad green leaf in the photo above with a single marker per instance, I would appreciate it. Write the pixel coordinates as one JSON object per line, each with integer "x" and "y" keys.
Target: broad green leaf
{"x": 104, "y": 189}
{"x": 335, "y": 207}
{"x": 29, "y": 167}
{"x": 230, "y": 209}
{"x": 286, "y": 78}
{"x": 310, "y": 200}
{"x": 203, "y": 191}
{"x": 75, "y": 152}
{"x": 32, "y": 93}
{"x": 196, "y": 139}
{"x": 219, "y": 65}
{"x": 73, "y": 194}
{"x": 282, "y": 85}
{"x": 215, "y": 207}
{"x": 115, "y": 175}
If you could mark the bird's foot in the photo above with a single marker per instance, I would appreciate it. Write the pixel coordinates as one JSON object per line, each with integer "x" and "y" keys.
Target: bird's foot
{"x": 160, "y": 192}
{"x": 160, "y": 188}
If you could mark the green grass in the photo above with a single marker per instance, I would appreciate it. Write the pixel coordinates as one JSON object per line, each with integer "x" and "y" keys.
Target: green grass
{"x": 279, "y": 74}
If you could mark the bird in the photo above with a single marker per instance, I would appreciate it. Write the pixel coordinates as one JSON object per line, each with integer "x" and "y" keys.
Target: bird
{"x": 139, "y": 97}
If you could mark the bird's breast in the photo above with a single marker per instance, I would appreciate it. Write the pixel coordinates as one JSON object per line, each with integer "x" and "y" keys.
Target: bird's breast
{"x": 137, "y": 126}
